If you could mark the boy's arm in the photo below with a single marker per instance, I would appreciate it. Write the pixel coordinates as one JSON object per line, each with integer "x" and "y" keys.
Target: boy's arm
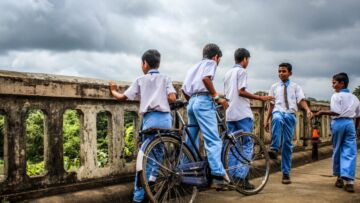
{"x": 210, "y": 87}
{"x": 304, "y": 105}
{"x": 246, "y": 94}
{"x": 325, "y": 112}
{"x": 115, "y": 93}
{"x": 267, "y": 119}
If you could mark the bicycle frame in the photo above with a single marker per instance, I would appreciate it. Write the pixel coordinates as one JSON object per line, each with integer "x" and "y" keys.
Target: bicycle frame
{"x": 223, "y": 131}
{"x": 221, "y": 124}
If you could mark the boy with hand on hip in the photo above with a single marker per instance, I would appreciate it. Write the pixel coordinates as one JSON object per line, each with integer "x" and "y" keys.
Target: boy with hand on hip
{"x": 287, "y": 96}
{"x": 200, "y": 92}
{"x": 239, "y": 116}
{"x": 344, "y": 107}
{"x": 155, "y": 92}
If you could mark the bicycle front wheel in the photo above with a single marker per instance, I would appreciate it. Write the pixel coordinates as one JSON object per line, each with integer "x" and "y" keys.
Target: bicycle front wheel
{"x": 159, "y": 177}
{"x": 247, "y": 163}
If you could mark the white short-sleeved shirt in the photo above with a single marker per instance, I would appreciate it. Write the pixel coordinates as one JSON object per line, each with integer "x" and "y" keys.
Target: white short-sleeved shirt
{"x": 345, "y": 104}
{"x": 294, "y": 94}
{"x": 239, "y": 107}
{"x": 193, "y": 80}
{"x": 152, "y": 89}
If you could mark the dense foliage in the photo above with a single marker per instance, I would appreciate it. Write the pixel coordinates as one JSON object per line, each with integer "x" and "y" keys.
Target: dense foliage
{"x": 71, "y": 132}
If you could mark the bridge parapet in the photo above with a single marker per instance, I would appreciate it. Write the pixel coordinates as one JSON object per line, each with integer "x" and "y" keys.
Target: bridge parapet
{"x": 53, "y": 95}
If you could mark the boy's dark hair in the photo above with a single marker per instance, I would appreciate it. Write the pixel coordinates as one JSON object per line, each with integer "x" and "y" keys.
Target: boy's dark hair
{"x": 211, "y": 50}
{"x": 152, "y": 57}
{"x": 286, "y": 65}
{"x": 342, "y": 77}
{"x": 240, "y": 54}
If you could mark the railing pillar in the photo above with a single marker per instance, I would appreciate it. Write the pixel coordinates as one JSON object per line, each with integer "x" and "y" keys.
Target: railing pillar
{"x": 16, "y": 144}
{"x": 88, "y": 143}
{"x": 53, "y": 142}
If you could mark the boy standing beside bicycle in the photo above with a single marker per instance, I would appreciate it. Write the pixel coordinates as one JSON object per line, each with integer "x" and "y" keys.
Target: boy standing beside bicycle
{"x": 201, "y": 94}
{"x": 239, "y": 116}
{"x": 287, "y": 96}
{"x": 155, "y": 92}
{"x": 344, "y": 107}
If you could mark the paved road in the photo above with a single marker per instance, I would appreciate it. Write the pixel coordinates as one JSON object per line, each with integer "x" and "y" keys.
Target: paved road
{"x": 311, "y": 183}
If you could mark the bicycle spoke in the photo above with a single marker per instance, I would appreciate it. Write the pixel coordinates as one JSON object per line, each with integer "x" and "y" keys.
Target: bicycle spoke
{"x": 161, "y": 158}
{"x": 246, "y": 160}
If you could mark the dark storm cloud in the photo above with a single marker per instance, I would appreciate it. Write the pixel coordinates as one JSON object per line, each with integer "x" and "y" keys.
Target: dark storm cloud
{"x": 319, "y": 37}
{"x": 71, "y": 25}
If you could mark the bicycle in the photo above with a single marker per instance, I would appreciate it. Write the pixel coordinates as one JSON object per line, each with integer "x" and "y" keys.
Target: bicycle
{"x": 171, "y": 172}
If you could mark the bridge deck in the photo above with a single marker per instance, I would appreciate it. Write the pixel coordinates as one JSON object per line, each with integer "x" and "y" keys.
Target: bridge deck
{"x": 311, "y": 183}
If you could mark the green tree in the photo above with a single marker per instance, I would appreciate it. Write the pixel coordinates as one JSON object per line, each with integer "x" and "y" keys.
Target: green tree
{"x": 130, "y": 138}
{"x": 35, "y": 143}
{"x": 71, "y": 133}
{"x": 35, "y": 136}
{"x": 357, "y": 92}
{"x": 102, "y": 138}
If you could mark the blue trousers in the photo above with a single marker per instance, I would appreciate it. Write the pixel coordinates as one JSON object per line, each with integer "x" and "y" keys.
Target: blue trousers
{"x": 151, "y": 120}
{"x": 201, "y": 111}
{"x": 283, "y": 126}
{"x": 239, "y": 170}
{"x": 344, "y": 146}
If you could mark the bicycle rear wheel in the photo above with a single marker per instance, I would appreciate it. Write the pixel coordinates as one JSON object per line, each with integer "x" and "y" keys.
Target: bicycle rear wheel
{"x": 247, "y": 163}
{"x": 159, "y": 177}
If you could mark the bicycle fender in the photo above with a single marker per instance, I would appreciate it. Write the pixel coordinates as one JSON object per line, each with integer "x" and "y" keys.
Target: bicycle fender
{"x": 140, "y": 156}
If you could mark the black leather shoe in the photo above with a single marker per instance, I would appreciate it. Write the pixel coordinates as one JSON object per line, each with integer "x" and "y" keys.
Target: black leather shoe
{"x": 244, "y": 184}
{"x": 286, "y": 179}
{"x": 272, "y": 154}
{"x": 349, "y": 188}
{"x": 339, "y": 183}
{"x": 220, "y": 183}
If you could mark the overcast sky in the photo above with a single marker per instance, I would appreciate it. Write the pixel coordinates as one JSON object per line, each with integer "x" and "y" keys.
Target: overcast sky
{"x": 105, "y": 39}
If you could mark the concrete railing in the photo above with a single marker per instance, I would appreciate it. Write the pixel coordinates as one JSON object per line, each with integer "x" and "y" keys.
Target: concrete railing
{"x": 53, "y": 95}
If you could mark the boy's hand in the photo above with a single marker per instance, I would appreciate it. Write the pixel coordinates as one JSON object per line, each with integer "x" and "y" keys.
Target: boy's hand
{"x": 267, "y": 98}
{"x": 267, "y": 126}
{"x": 112, "y": 85}
{"x": 317, "y": 114}
{"x": 309, "y": 114}
{"x": 223, "y": 102}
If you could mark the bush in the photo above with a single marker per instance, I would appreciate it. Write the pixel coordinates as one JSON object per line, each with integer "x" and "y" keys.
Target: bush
{"x": 34, "y": 169}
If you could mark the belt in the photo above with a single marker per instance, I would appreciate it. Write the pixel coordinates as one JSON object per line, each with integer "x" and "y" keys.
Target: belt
{"x": 200, "y": 94}
{"x": 152, "y": 110}
{"x": 343, "y": 118}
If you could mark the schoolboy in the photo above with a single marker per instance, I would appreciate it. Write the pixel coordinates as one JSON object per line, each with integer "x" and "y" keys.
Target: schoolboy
{"x": 344, "y": 107}
{"x": 239, "y": 116}
{"x": 287, "y": 96}
{"x": 201, "y": 94}
{"x": 155, "y": 92}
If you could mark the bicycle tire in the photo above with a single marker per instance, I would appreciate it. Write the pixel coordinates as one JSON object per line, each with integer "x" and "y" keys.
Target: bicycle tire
{"x": 243, "y": 168}
{"x": 167, "y": 187}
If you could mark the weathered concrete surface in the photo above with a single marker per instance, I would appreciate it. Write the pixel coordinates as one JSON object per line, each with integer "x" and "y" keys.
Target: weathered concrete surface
{"x": 311, "y": 183}
{"x": 118, "y": 193}
{"x": 53, "y": 95}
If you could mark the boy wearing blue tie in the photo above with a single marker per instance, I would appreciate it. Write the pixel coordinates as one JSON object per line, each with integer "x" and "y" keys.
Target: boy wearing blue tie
{"x": 239, "y": 116}
{"x": 199, "y": 90}
{"x": 287, "y": 97}
{"x": 155, "y": 92}
{"x": 344, "y": 107}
